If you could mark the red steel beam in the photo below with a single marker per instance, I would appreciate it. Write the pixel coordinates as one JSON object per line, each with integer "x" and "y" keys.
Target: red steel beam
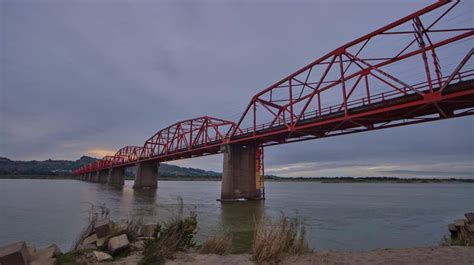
{"x": 370, "y": 95}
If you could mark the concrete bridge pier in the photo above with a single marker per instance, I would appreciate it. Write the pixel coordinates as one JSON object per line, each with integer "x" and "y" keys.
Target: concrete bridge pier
{"x": 116, "y": 176}
{"x": 95, "y": 176}
{"x": 89, "y": 177}
{"x": 147, "y": 175}
{"x": 102, "y": 176}
{"x": 239, "y": 173}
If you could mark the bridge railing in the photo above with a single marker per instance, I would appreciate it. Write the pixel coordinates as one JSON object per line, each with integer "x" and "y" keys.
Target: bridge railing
{"x": 355, "y": 103}
{"x": 357, "y": 68}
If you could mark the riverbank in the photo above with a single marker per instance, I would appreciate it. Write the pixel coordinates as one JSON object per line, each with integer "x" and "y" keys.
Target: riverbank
{"x": 277, "y": 179}
{"x": 281, "y": 241}
{"x": 439, "y": 255}
{"x": 408, "y": 256}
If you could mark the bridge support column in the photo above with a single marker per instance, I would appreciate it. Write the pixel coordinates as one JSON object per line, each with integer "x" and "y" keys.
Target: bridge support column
{"x": 102, "y": 176}
{"x": 239, "y": 173}
{"x": 116, "y": 176}
{"x": 95, "y": 176}
{"x": 89, "y": 176}
{"x": 147, "y": 175}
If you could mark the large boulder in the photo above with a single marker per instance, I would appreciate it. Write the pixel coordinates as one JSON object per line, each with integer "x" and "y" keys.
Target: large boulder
{"x": 470, "y": 228}
{"x": 452, "y": 228}
{"x": 102, "y": 228}
{"x": 14, "y": 254}
{"x": 57, "y": 251}
{"x": 101, "y": 256}
{"x": 459, "y": 223}
{"x": 31, "y": 250}
{"x": 44, "y": 261}
{"x": 52, "y": 251}
{"x": 88, "y": 247}
{"x": 118, "y": 243}
{"x": 101, "y": 242}
{"x": 90, "y": 240}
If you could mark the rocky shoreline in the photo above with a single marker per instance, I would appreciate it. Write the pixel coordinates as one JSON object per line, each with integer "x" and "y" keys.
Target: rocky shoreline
{"x": 132, "y": 242}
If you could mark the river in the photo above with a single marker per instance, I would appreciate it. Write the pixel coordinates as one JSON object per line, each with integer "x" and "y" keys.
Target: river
{"x": 337, "y": 216}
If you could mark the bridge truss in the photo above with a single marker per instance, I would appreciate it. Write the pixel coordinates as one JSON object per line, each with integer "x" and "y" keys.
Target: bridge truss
{"x": 416, "y": 69}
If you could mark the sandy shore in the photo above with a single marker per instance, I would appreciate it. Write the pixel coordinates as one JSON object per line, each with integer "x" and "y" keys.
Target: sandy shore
{"x": 403, "y": 256}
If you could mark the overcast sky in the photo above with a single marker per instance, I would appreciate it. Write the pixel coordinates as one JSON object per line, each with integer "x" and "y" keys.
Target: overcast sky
{"x": 88, "y": 77}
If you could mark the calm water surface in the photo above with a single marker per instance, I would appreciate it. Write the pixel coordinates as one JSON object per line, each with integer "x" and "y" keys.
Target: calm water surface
{"x": 338, "y": 216}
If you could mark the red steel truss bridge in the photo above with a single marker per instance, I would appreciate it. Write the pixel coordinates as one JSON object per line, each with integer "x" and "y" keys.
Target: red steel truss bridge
{"x": 416, "y": 69}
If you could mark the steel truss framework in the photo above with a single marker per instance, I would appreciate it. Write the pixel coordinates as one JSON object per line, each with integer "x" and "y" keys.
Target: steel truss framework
{"x": 348, "y": 90}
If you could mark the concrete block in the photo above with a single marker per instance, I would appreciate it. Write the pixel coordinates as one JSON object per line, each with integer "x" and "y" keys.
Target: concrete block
{"x": 459, "y": 223}
{"x": 101, "y": 241}
{"x": 31, "y": 250}
{"x": 101, "y": 256}
{"x": 14, "y": 254}
{"x": 44, "y": 261}
{"x": 102, "y": 228}
{"x": 90, "y": 240}
{"x": 88, "y": 247}
{"x": 57, "y": 251}
{"x": 470, "y": 228}
{"x": 44, "y": 254}
{"x": 148, "y": 230}
{"x": 52, "y": 251}
{"x": 118, "y": 243}
{"x": 452, "y": 228}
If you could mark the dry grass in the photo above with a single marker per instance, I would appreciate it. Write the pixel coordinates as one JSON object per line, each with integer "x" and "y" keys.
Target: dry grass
{"x": 176, "y": 235}
{"x": 94, "y": 213}
{"x": 219, "y": 243}
{"x": 275, "y": 240}
{"x": 132, "y": 227}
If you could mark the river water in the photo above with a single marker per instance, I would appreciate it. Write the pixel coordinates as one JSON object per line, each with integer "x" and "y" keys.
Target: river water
{"x": 337, "y": 216}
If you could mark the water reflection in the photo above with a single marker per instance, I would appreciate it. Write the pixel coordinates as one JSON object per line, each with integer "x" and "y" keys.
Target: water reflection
{"x": 239, "y": 218}
{"x": 338, "y": 216}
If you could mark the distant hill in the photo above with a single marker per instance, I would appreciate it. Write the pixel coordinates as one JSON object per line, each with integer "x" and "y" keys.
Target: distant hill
{"x": 60, "y": 168}
{"x": 65, "y": 167}
{"x": 177, "y": 171}
{"x": 46, "y": 167}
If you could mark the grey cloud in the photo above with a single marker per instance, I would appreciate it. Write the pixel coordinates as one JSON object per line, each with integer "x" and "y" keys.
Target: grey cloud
{"x": 85, "y": 74}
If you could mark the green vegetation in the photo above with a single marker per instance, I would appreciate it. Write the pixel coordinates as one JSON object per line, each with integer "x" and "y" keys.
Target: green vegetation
{"x": 176, "y": 235}
{"x": 275, "y": 240}
{"x": 71, "y": 258}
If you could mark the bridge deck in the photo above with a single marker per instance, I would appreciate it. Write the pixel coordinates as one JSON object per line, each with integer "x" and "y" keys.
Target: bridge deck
{"x": 406, "y": 109}
{"x": 299, "y": 106}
